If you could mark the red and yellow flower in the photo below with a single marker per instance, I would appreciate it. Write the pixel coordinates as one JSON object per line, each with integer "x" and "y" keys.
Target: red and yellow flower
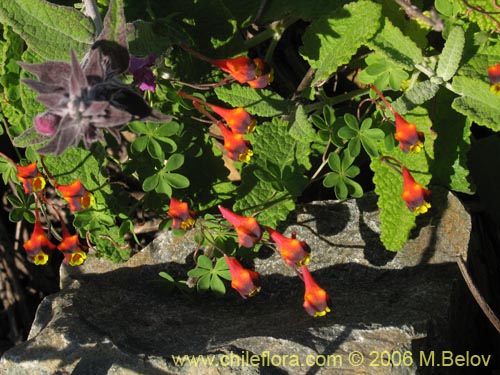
{"x": 38, "y": 247}
{"x": 246, "y": 282}
{"x": 76, "y": 195}
{"x": 237, "y": 119}
{"x": 245, "y": 70}
{"x": 317, "y": 302}
{"x": 70, "y": 246}
{"x": 410, "y": 140}
{"x": 494, "y": 73}
{"x": 414, "y": 194}
{"x": 30, "y": 177}
{"x": 182, "y": 216}
{"x": 293, "y": 251}
{"x": 248, "y": 229}
{"x": 235, "y": 145}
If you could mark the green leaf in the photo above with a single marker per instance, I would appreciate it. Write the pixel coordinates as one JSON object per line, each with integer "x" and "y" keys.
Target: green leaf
{"x": 330, "y": 41}
{"x": 260, "y": 102}
{"x": 155, "y": 149}
{"x": 176, "y": 180}
{"x": 203, "y": 283}
{"x": 166, "y": 276}
{"x": 151, "y": 182}
{"x": 174, "y": 162}
{"x": 477, "y": 102}
{"x": 50, "y": 30}
{"x": 394, "y": 45}
{"x": 452, "y": 54}
{"x": 29, "y": 137}
{"x": 204, "y": 262}
{"x": 198, "y": 272}
{"x": 140, "y": 144}
{"x": 301, "y": 128}
{"x": 217, "y": 286}
{"x": 415, "y": 96}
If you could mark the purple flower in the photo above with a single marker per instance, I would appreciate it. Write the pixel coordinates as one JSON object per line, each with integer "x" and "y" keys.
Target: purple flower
{"x": 142, "y": 75}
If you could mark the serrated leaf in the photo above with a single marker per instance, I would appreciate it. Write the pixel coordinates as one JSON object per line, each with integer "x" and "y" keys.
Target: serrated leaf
{"x": 450, "y": 165}
{"x": 477, "y": 102}
{"x": 393, "y": 44}
{"x": 452, "y": 54}
{"x": 415, "y": 96}
{"x": 330, "y": 42}
{"x": 397, "y": 220}
{"x": 301, "y": 129}
{"x": 50, "y": 30}
{"x": 260, "y": 102}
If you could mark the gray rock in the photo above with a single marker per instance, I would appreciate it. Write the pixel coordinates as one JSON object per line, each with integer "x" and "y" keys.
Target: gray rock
{"x": 118, "y": 319}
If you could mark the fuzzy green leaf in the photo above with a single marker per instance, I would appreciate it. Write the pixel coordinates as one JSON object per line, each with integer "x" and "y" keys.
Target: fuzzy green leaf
{"x": 392, "y": 43}
{"x": 50, "y": 30}
{"x": 397, "y": 220}
{"x": 301, "y": 128}
{"x": 452, "y": 54}
{"x": 415, "y": 96}
{"x": 261, "y": 102}
{"x": 477, "y": 102}
{"x": 330, "y": 41}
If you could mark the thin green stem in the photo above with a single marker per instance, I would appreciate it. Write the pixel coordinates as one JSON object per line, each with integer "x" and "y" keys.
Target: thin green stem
{"x": 336, "y": 100}
{"x": 269, "y": 33}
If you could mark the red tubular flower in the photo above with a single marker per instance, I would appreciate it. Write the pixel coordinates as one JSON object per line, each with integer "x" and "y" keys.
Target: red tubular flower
{"x": 248, "y": 229}
{"x": 317, "y": 302}
{"x": 70, "y": 246}
{"x": 237, "y": 119}
{"x": 182, "y": 216}
{"x": 414, "y": 194}
{"x": 244, "y": 70}
{"x": 77, "y": 197}
{"x": 293, "y": 251}
{"x": 38, "y": 247}
{"x": 245, "y": 282}
{"x": 31, "y": 179}
{"x": 235, "y": 145}
{"x": 409, "y": 138}
{"x": 494, "y": 73}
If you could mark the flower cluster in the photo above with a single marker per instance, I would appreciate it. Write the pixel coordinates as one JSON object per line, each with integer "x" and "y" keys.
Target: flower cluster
{"x": 249, "y": 232}
{"x": 39, "y": 247}
{"x": 410, "y": 141}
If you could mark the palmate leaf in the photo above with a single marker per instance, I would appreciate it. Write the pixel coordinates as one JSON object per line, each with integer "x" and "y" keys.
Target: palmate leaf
{"x": 331, "y": 41}
{"x": 50, "y": 30}
{"x": 397, "y": 220}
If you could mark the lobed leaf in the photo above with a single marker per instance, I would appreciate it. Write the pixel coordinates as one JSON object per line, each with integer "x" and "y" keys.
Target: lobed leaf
{"x": 330, "y": 41}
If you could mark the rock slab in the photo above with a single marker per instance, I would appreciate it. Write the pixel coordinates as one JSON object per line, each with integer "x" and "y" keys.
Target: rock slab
{"x": 388, "y": 308}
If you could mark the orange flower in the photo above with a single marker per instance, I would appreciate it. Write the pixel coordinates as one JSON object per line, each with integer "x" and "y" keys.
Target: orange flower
{"x": 38, "y": 247}
{"x": 248, "y": 229}
{"x": 244, "y": 70}
{"x": 414, "y": 194}
{"x": 77, "y": 197}
{"x": 245, "y": 282}
{"x": 494, "y": 73}
{"x": 409, "y": 138}
{"x": 31, "y": 179}
{"x": 182, "y": 216}
{"x": 317, "y": 302}
{"x": 235, "y": 145}
{"x": 72, "y": 250}
{"x": 237, "y": 119}
{"x": 293, "y": 251}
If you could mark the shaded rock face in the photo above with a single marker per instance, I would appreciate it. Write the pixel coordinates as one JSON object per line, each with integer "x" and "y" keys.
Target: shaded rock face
{"x": 388, "y": 308}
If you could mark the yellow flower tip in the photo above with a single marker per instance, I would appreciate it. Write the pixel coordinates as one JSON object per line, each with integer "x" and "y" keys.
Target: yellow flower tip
{"x": 40, "y": 259}
{"x": 246, "y": 156}
{"x": 495, "y": 88}
{"x": 87, "y": 200}
{"x": 38, "y": 183}
{"x": 77, "y": 258}
{"x": 416, "y": 148}
{"x": 251, "y": 127}
{"x": 321, "y": 313}
{"x": 254, "y": 292}
{"x": 187, "y": 224}
{"x": 422, "y": 209}
{"x": 305, "y": 261}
